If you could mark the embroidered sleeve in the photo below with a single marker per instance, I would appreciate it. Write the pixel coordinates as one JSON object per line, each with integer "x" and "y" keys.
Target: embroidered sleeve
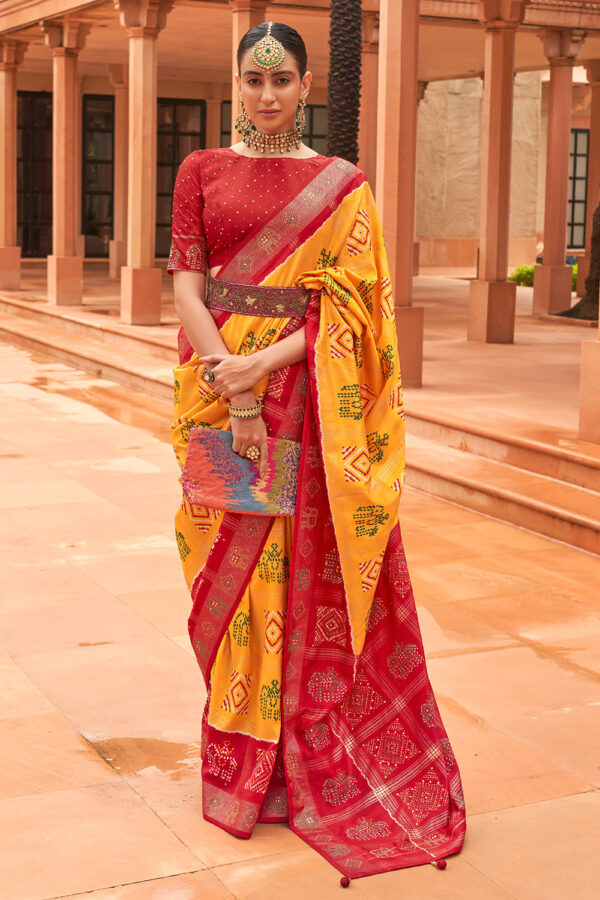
{"x": 188, "y": 240}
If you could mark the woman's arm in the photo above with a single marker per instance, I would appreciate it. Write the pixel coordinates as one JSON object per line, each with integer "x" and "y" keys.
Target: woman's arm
{"x": 237, "y": 373}
{"x": 202, "y": 332}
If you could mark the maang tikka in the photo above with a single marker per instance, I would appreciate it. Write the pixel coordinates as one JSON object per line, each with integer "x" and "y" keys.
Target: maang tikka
{"x": 268, "y": 53}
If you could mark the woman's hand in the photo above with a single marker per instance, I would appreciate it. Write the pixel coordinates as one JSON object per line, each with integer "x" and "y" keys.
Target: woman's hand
{"x": 247, "y": 432}
{"x": 234, "y": 374}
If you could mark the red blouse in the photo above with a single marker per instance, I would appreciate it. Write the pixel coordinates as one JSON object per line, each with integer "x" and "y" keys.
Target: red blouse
{"x": 221, "y": 196}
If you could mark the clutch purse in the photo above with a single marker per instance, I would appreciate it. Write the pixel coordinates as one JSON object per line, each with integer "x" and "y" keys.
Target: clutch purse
{"x": 215, "y": 476}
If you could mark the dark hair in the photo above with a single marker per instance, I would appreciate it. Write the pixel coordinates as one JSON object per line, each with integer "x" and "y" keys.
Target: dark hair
{"x": 286, "y": 35}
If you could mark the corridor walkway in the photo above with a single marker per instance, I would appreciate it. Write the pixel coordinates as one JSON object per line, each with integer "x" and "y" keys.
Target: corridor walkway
{"x": 101, "y": 697}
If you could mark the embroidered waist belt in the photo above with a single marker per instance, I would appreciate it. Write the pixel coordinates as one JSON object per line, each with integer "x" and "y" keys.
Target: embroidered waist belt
{"x": 256, "y": 300}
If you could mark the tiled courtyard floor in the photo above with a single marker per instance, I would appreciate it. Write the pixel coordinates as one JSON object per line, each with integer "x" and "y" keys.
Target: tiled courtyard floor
{"x": 101, "y": 698}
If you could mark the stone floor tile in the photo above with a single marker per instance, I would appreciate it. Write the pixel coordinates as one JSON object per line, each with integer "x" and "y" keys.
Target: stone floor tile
{"x": 177, "y": 800}
{"x": 168, "y": 610}
{"x": 542, "y": 851}
{"x": 44, "y": 493}
{"x": 304, "y": 873}
{"x": 568, "y": 736}
{"x": 446, "y": 630}
{"x": 147, "y": 688}
{"x": 498, "y": 770}
{"x": 122, "y": 573}
{"x": 195, "y": 886}
{"x": 513, "y": 681}
{"x": 64, "y": 842}
{"x": 45, "y": 753}
{"x": 19, "y": 696}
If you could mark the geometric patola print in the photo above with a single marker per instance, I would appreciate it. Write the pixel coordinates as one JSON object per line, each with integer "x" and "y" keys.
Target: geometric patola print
{"x": 263, "y": 769}
{"x": 396, "y": 402}
{"x": 391, "y": 748}
{"x": 332, "y": 570}
{"x": 277, "y": 382}
{"x": 428, "y": 712}
{"x": 368, "y": 829}
{"x": 449, "y": 758}
{"x": 326, "y": 686}
{"x": 403, "y": 659}
{"x": 237, "y": 698}
{"x": 341, "y": 343}
{"x": 386, "y": 299}
{"x": 368, "y": 398}
{"x": 359, "y": 238}
{"x": 330, "y": 627}
{"x": 356, "y": 463}
{"x": 369, "y": 572}
{"x": 339, "y": 789}
{"x": 221, "y": 760}
{"x": 203, "y": 517}
{"x": 274, "y": 625}
{"x": 361, "y": 700}
{"x": 318, "y": 736}
{"x": 376, "y": 613}
{"x": 425, "y": 796}
{"x": 397, "y": 572}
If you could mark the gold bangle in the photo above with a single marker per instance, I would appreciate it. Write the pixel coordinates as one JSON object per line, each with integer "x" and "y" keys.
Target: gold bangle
{"x": 246, "y": 412}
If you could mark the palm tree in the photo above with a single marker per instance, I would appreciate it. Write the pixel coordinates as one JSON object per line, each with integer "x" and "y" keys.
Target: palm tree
{"x": 343, "y": 104}
{"x": 587, "y": 307}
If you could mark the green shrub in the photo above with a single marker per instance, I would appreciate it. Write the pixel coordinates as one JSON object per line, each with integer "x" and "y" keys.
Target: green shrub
{"x": 524, "y": 275}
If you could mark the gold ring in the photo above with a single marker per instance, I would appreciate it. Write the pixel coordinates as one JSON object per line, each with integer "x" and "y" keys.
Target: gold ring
{"x": 253, "y": 452}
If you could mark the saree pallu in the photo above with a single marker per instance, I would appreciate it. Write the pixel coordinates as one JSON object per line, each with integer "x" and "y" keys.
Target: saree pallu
{"x": 320, "y": 710}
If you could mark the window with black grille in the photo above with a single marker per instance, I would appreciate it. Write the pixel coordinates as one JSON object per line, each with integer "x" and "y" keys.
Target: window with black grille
{"x": 34, "y": 173}
{"x": 578, "y": 169}
{"x": 181, "y": 129}
{"x": 98, "y": 136}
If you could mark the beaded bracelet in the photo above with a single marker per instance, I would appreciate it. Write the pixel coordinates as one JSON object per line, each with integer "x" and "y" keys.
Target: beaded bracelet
{"x": 246, "y": 412}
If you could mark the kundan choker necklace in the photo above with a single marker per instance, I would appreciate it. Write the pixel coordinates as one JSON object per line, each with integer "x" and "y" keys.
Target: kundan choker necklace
{"x": 281, "y": 141}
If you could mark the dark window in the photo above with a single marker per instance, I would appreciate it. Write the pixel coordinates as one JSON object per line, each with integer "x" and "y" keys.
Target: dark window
{"x": 181, "y": 129}
{"x": 315, "y": 133}
{"x": 34, "y": 173}
{"x": 97, "y": 126}
{"x": 578, "y": 164}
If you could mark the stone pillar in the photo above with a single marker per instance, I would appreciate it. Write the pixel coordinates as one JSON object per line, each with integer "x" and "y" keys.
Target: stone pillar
{"x": 396, "y": 166}
{"x": 491, "y": 297}
{"x": 553, "y": 279}
{"x": 11, "y": 55}
{"x": 367, "y": 127}
{"x": 117, "y": 247}
{"x": 245, "y": 14}
{"x": 421, "y": 88}
{"x": 592, "y": 67}
{"x": 213, "y": 122}
{"x": 65, "y": 266}
{"x": 141, "y": 280}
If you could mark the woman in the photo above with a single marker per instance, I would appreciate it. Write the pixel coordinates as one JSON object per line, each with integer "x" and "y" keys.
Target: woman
{"x": 319, "y": 708}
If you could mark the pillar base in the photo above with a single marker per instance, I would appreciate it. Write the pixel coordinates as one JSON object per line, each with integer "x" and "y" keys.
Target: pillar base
{"x": 589, "y": 392}
{"x": 116, "y": 258}
{"x": 583, "y": 270}
{"x": 10, "y": 268}
{"x": 141, "y": 295}
{"x": 409, "y": 328}
{"x": 65, "y": 280}
{"x": 551, "y": 289}
{"x": 492, "y": 312}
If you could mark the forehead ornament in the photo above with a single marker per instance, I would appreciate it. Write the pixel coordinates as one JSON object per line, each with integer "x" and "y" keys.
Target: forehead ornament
{"x": 268, "y": 53}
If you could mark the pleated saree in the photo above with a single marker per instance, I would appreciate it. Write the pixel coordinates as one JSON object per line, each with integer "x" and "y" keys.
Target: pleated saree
{"x": 320, "y": 711}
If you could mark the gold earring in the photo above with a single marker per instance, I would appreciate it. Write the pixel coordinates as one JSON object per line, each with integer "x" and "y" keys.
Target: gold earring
{"x": 243, "y": 122}
{"x": 301, "y": 116}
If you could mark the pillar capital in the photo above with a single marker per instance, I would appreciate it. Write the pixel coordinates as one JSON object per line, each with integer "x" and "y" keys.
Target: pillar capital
{"x": 65, "y": 34}
{"x": 12, "y": 53}
{"x": 118, "y": 75}
{"x": 370, "y": 31}
{"x": 592, "y": 68}
{"x": 561, "y": 48}
{"x": 421, "y": 88}
{"x": 501, "y": 13}
{"x": 248, "y": 6}
{"x": 143, "y": 18}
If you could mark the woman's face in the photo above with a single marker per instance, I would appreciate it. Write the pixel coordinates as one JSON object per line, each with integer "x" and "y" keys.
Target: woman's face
{"x": 271, "y": 98}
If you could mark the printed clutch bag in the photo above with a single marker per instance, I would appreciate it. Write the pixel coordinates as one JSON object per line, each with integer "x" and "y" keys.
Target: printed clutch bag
{"x": 215, "y": 476}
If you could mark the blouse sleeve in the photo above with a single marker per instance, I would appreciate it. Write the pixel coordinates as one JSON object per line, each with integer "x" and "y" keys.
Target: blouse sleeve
{"x": 188, "y": 239}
